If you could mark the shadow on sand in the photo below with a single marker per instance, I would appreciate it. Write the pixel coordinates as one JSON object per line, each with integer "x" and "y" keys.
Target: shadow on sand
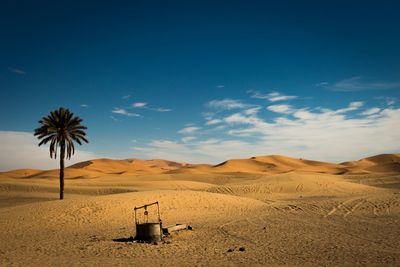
{"x": 124, "y": 239}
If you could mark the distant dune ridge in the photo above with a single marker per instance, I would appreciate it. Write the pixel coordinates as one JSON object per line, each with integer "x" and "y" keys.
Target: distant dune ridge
{"x": 266, "y": 165}
{"x": 111, "y": 166}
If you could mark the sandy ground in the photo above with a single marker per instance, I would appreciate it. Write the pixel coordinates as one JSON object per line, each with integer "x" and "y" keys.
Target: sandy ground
{"x": 302, "y": 216}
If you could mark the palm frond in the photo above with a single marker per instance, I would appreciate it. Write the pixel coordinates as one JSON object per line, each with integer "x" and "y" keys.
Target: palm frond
{"x": 61, "y": 128}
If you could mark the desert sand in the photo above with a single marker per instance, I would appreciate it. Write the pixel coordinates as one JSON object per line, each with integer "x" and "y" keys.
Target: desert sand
{"x": 281, "y": 210}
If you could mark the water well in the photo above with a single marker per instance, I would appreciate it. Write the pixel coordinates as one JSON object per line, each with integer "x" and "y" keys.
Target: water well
{"x": 148, "y": 231}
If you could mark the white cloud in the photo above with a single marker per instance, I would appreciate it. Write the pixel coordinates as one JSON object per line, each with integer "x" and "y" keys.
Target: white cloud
{"x": 213, "y": 121}
{"x": 84, "y": 106}
{"x": 352, "y": 106}
{"x": 272, "y": 97}
{"x": 304, "y": 115}
{"x": 145, "y": 105}
{"x": 389, "y": 101}
{"x": 162, "y": 109}
{"x": 20, "y": 150}
{"x": 357, "y": 83}
{"x": 189, "y": 130}
{"x": 237, "y": 118}
{"x": 124, "y": 112}
{"x": 284, "y": 109}
{"x": 139, "y": 104}
{"x": 252, "y": 111}
{"x": 220, "y": 86}
{"x": 16, "y": 71}
{"x": 188, "y": 139}
{"x": 126, "y": 97}
{"x": 226, "y": 104}
{"x": 285, "y": 121}
{"x": 138, "y": 148}
{"x": 371, "y": 111}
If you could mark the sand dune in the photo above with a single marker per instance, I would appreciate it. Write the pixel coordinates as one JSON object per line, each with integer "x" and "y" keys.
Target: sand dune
{"x": 21, "y": 173}
{"x": 294, "y": 185}
{"x": 281, "y": 210}
{"x": 385, "y": 163}
{"x": 278, "y": 164}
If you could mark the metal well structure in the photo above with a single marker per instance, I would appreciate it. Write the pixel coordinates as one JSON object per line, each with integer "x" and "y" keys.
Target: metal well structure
{"x": 148, "y": 231}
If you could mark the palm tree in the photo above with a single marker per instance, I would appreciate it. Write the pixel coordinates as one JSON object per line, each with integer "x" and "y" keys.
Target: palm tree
{"x": 61, "y": 129}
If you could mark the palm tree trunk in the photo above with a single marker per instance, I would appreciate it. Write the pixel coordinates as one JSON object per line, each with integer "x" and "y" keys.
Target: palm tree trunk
{"x": 62, "y": 156}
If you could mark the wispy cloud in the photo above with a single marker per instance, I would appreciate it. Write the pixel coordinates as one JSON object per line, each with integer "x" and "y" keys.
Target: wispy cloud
{"x": 284, "y": 109}
{"x": 220, "y": 86}
{"x": 358, "y": 83}
{"x": 113, "y": 118}
{"x": 188, "y": 138}
{"x": 352, "y": 106}
{"x": 124, "y": 112}
{"x": 84, "y": 106}
{"x": 303, "y": 115}
{"x": 321, "y": 84}
{"x": 213, "y": 121}
{"x": 139, "y": 104}
{"x": 189, "y": 130}
{"x": 126, "y": 97}
{"x": 272, "y": 97}
{"x": 16, "y": 71}
{"x": 237, "y": 118}
{"x": 226, "y": 104}
{"x": 145, "y": 105}
{"x": 371, "y": 111}
{"x": 252, "y": 111}
{"x": 389, "y": 101}
{"x": 162, "y": 109}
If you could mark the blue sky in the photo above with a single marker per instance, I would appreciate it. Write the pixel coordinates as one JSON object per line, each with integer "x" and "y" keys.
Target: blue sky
{"x": 202, "y": 81}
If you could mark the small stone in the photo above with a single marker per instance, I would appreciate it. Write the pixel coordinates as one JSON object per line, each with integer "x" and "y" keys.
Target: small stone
{"x": 190, "y": 228}
{"x": 230, "y": 250}
{"x": 242, "y": 249}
